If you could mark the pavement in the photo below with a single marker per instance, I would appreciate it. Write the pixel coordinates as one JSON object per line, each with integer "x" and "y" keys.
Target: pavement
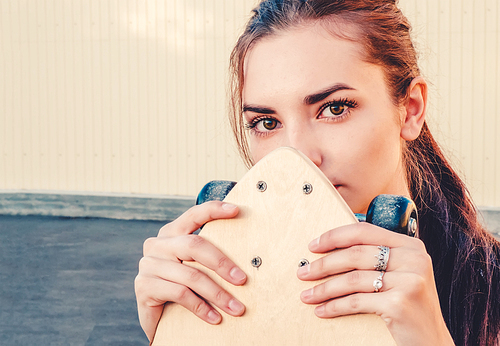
{"x": 69, "y": 281}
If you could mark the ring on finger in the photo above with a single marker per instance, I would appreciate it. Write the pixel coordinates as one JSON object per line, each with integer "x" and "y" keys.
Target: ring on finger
{"x": 378, "y": 283}
{"x": 383, "y": 258}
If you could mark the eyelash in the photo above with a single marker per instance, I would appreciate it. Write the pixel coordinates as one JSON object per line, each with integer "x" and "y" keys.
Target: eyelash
{"x": 255, "y": 121}
{"x": 344, "y": 101}
{"x": 341, "y": 102}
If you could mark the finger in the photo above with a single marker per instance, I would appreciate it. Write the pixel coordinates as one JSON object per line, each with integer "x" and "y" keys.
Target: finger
{"x": 198, "y": 249}
{"x": 345, "y": 284}
{"x": 387, "y": 301}
{"x": 195, "y": 280}
{"x": 197, "y": 216}
{"x": 358, "y": 303}
{"x": 361, "y": 233}
{"x": 362, "y": 257}
{"x": 158, "y": 292}
{"x": 149, "y": 308}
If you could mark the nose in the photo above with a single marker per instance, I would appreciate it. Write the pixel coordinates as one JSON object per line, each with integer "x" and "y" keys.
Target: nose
{"x": 304, "y": 140}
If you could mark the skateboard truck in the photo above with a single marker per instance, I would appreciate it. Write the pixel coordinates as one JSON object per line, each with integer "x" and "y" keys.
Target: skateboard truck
{"x": 392, "y": 212}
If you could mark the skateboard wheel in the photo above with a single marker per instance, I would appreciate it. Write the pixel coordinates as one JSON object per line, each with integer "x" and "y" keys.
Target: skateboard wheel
{"x": 216, "y": 190}
{"x": 395, "y": 213}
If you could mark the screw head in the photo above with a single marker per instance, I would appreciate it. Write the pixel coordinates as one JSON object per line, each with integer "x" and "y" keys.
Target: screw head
{"x": 307, "y": 188}
{"x": 261, "y": 186}
{"x": 303, "y": 262}
{"x": 256, "y": 261}
{"x": 412, "y": 226}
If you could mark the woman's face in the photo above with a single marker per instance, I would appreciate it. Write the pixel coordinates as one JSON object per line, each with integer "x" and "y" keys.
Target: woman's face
{"x": 309, "y": 90}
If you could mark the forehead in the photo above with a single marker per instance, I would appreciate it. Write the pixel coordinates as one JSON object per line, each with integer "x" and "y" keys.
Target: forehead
{"x": 305, "y": 57}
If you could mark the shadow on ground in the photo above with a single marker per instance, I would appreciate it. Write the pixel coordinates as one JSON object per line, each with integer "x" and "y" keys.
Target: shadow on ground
{"x": 70, "y": 281}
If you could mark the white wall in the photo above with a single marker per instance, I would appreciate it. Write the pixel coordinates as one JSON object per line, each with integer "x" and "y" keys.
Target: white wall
{"x": 128, "y": 96}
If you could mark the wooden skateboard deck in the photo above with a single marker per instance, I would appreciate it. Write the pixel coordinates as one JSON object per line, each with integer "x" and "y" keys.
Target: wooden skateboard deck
{"x": 276, "y": 222}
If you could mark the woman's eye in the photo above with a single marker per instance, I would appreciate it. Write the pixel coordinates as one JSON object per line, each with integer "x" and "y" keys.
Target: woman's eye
{"x": 269, "y": 124}
{"x": 337, "y": 109}
{"x": 264, "y": 125}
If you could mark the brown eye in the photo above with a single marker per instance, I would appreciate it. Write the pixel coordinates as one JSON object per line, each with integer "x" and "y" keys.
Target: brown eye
{"x": 337, "y": 109}
{"x": 264, "y": 126}
{"x": 269, "y": 124}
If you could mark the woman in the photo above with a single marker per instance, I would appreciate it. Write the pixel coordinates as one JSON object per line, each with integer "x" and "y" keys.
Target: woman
{"x": 339, "y": 81}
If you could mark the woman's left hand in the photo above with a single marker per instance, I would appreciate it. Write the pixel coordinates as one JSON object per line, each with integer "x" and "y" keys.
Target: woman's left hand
{"x": 407, "y": 301}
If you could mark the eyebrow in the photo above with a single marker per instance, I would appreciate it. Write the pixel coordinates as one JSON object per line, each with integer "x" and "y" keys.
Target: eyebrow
{"x": 257, "y": 109}
{"x": 323, "y": 94}
{"x": 308, "y": 100}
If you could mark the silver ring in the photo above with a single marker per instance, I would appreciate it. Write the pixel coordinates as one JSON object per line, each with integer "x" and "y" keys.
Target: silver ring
{"x": 377, "y": 284}
{"x": 383, "y": 258}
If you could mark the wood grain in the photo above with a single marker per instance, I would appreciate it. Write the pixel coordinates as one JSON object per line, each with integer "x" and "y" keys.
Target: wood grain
{"x": 277, "y": 226}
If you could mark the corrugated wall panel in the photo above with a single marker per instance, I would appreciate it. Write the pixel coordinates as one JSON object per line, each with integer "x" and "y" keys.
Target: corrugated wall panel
{"x": 129, "y": 95}
{"x": 459, "y": 44}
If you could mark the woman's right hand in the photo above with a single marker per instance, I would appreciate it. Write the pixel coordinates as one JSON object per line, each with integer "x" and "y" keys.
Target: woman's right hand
{"x": 164, "y": 278}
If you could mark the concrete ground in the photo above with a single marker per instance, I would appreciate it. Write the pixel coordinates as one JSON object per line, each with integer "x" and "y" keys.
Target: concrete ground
{"x": 69, "y": 281}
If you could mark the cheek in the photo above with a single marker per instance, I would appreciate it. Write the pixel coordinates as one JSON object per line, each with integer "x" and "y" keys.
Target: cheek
{"x": 383, "y": 147}
{"x": 370, "y": 162}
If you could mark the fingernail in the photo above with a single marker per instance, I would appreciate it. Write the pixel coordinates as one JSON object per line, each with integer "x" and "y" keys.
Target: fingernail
{"x": 320, "y": 310}
{"x": 307, "y": 294}
{"x": 304, "y": 270}
{"x": 213, "y": 316}
{"x": 314, "y": 244}
{"x": 235, "y": 306}
{"x": 228, "y": 206}
{"x": 237, "y": 274}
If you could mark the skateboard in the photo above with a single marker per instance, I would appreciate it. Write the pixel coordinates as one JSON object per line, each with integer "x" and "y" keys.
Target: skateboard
{"x": 285, "y": 201}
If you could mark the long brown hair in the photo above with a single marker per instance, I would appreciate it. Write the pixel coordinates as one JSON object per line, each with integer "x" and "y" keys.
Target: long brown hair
{"x": 465, "y": 256}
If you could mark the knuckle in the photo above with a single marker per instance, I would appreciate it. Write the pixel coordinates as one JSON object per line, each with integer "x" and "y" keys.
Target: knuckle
{"x": 195, "y": 215}
{"x": 425, "y": 259}
{"x": 331, "y": 308}
{"x": 416, "y": 284}
{"x": 320, "y": 290}
{"x": 355, "y": 253}
{"x": 148, "y": 245}
{"x": 144, "y": 263}
{"x": 326, "y": 237}
{"x": 220, "y": 295}
{"x": 361, "y": 228}
{"x": 142, "y": 291}
{"x": 195, "y": 275}
{"x": 396, "y": 301}
{"x": 181, "y": 294}
{"x": 165, "y": 229}
{"x": 353, "y": 278}
{"x": 396, "y": 306}
{"x": 319, "y": 265}
{"x": 195, "y": 241}
{"x": 191, "y": 212}
{"x": 354, "y": 302}
{"x": 139, "y": 286}
{"x": 199, "y": 308}
{"x": 422, "y": 261}
{"x": 419, "y": 244}
{"x": 222, "y": 262}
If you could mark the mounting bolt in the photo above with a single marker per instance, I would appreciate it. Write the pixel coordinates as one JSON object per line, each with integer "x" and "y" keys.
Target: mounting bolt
{"x": 412, "y": 226}
{"x": 307, "y": 188}
{"x": 303, "y": 262}
{"x": 261, "y": 186}
{"x": 256, "y": 261}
